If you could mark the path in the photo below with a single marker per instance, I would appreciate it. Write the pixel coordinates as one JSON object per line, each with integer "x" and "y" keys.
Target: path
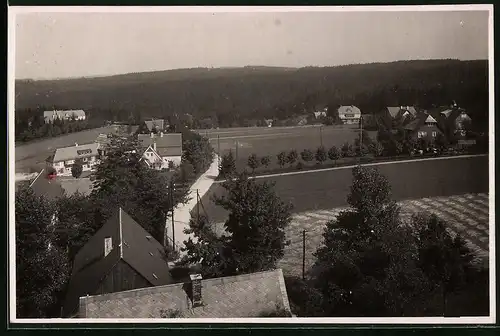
{"x": 182, "y": 212}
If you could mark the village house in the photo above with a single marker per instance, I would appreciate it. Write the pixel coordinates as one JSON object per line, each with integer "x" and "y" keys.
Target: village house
{"x": 349, "y": 114}
{"x": 120, "y": 256}
{"x": 269, "y": 122}
{"x": 424, "y": 126}
{"x": 249, "y": 295}
{"x": 64, "y": 158}
{"x": 457, "y": 119}
{"x": 161, "y": 150}
{"x": 50, "y": 116}
{"x": 321, "y": 113}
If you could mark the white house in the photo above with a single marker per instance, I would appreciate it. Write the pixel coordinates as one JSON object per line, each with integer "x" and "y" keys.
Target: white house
{"x": 64, "y": 158}
{"x": 161, "y": 150}
{"x": 50, "y": 116}
{"x": 349, "y": 114}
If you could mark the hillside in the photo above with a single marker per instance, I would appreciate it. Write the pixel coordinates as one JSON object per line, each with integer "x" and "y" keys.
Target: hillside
{"x": 233, "y": 94}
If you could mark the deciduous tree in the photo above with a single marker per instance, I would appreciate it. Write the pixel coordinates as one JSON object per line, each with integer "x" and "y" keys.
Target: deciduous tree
{"x": 321, "y": 155}
{"x": 227, "y": 166}
{"x": 253, "y": 162}
{"x": 77, "y": 168}
{"x": 334, "y": 154}
{"x": 307, "y": 155}
{"x": 282, "y": 158}
{"x": 265, "y": 160}
{"x": 292, "y": 157}
{"x": 254, "y": 236}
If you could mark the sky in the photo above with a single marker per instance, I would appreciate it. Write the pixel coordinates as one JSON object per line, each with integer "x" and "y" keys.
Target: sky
{"x": 61, "y": 45}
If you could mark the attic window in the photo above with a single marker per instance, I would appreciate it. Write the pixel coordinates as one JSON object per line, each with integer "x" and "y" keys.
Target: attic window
{"x": 154, "y": 276}
{"x": 108, "y": 245}
{"x": 148, "y": 237}
{"x": 151, "y": 253}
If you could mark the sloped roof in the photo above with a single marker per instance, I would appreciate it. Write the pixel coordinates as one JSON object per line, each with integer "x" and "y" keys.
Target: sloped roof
{"x": 155, "y": 123}
{"x": 393, "y": 111}
{"x": 415, "y": 124}
{"x": 167, "y": 144}
{"x": 131, "y": 243}
{"x": 74, "y": 152}
{"x": 430, "y": 119}
{"x": 51, "y": 189}
{"x": 247, "y": 295}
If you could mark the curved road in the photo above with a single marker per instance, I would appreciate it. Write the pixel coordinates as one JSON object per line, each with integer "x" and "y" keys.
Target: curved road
{"x": 409, "y": 180}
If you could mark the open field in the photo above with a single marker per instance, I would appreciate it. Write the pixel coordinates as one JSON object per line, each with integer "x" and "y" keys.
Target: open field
{"x": 329, "y": 189}
{"x": 272, "y": 140}
{"x": 33, "y": 155}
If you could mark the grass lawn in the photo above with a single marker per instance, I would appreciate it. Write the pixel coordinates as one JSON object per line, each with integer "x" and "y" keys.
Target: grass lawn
{"x": 329, "y": 189}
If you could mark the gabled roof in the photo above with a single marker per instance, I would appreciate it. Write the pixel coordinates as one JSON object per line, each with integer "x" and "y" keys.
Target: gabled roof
{"x": 74, "y": 152}
{"x": 155, "y": 123}
{"x": 414, "y": 125}
{"x": 167, "y": 144}
{"x": 131, "y": 244}
{"x": 247, "y": 295}
{"x": 51, "y": 189}
{"x": 393, "y": 111}
{"x": 82, "y": 185}
{"x": 430, "y": 119}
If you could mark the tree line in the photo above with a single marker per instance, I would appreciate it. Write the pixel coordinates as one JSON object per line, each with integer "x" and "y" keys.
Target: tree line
{"x": 385, "y": 145}
{"x": 246, "y": 96}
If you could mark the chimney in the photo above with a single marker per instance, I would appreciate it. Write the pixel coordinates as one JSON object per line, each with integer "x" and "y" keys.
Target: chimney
{"x": 152, "y": 135}
{"x": 108, "y": 245}
{"x": 161, "y": 134}
{"x": 196, "y": 289}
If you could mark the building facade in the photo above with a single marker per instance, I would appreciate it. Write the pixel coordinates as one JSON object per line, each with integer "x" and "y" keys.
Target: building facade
{"x": 50, "y": 116}
{"x": 349, "y": 114}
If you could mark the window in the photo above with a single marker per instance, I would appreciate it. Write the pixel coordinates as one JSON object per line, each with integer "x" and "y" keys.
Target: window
{"x": 419, "y": 134}
{"x": 108, "y": 245}
{"x": 434, "y": 134}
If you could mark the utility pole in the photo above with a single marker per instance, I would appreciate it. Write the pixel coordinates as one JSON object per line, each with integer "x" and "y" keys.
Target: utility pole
{"x": 321, "y": 134}
{"x": 360, "y": 138}
{"x": 303, "y": 254}
{"x": 172, "y": 212}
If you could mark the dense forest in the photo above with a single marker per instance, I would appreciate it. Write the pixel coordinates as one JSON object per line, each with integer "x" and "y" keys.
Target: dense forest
{"x": 230, "y": 96}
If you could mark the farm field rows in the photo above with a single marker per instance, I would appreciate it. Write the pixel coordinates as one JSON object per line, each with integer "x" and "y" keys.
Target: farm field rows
{"x": 411, "y": 180}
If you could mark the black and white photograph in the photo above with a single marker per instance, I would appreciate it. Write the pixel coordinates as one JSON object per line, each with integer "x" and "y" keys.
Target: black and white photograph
{"x": 251, "y": 164}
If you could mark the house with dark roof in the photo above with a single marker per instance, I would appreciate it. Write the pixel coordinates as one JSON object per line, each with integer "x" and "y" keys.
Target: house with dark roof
{"x": 398, "y": 114}
{"x": 248, "y": 295}
{"x": 120, "y": 256}
{"x": 456, "y": 120}
{"x": 161, "y": 150}
{"x": 51, "y": 116}
{"x": 424, "y": 126}
{"x": 64, "y": 158}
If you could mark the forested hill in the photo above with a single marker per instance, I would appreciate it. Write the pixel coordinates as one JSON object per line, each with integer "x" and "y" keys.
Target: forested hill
{"x": 234, "y": 94}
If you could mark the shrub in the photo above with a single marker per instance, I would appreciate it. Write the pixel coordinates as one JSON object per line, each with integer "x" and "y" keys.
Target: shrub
{"x": 307, "y": 155}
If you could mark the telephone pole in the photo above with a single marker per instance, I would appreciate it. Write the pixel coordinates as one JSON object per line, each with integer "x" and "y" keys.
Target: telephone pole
{"x": 218, "y": 148}
{"x": 198, "y": 205}
{"x": 303, "y": 254}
